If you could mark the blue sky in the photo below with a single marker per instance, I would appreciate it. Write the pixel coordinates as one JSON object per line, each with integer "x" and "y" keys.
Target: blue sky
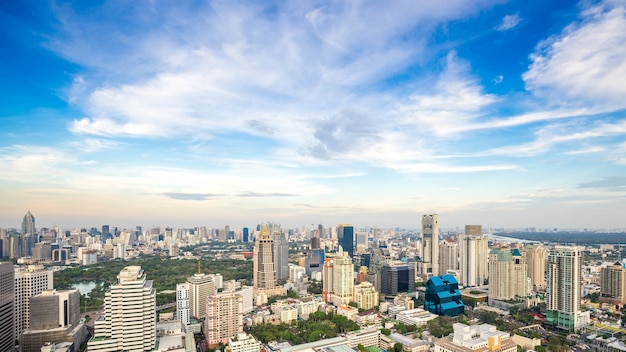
{"x": 501, "y": 113}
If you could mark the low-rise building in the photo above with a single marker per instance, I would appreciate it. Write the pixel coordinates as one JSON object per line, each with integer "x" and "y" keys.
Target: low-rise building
{"x": 417, "y": 317}
{"x": 476, "y": 338}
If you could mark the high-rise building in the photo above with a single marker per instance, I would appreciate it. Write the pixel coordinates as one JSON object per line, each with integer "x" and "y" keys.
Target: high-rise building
{"x": 55, "y": 318}
{"x": 28, "y": 224}
{"x": 448, "y": 256}
{"x": 201, "y": 287}
{"x": 281, "y": 255}
{"x": 343, "y": 278}
{"x": 246, "y": 234}
{"x": 29, "y": 281}
{"x": 327, "y": 279}
{"x": 397, "y": 277}
{"x": 613, "y": 284}
{"x": 129, "y": 322}
{"x": 563, "y": 288}
{"x": 430, "y": 246}
{"x": 7, "y": 306}
{"x": 507, "y": 274}
{"x": 183, "y": 305}
{"x": 365, "y": 295}
{"x": 263, "y": 266}
{"x": 535, "y": 256}
{"x": 345, "y": 238}
{"x": 224, "y": 318}
{"x": 473, "y": 257}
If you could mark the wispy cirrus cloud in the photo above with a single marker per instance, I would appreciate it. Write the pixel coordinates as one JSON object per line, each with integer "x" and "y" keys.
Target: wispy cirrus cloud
{"x": 509, "y": 22}
{"x": 190, "y": 196}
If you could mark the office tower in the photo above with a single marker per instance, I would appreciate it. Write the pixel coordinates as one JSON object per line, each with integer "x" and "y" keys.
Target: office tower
{"x": 129, "y": 322}
{"x": 535, "y": 256}
{"x": 28, "y": 224}
{"x": 563, "y": 288}
{"x": 281, "y": 256}
{"x": 430, "y": 246}
{"x": 29, "y": 281}
{"x": 613, "y": 284}
{"x": 183, "y": 305}
{"x": 345, "y": 238}
{"x": 473, "y": 257}
{"x": 507, "y": 274}
{"x": 54, "y": 318}
{"x": 263, "y": 256}
{"x": 361, "y": 242}
{"x": 343, "y": 278}
{"x": 315, "y": 243}
{"x": 365, "y": 295}
{"x": 224, "y": 318}
{"x": 7, "y": 306}
{"x": 320, "y": 231}
{"x": 443, "y": 296}
{"x": 201, "y": 287}
{"x": 246, "y": 234}
{"x": 448, "y": 256}
{"x": 397, "y": 277}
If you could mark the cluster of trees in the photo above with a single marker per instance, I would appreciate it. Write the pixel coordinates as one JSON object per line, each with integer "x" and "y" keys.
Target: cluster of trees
{"x": 164, "y": 272}
{"x": 319, "y": 326}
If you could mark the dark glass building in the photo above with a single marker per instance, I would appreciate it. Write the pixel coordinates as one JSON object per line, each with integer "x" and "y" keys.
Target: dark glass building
{"x": 443, "y": 296}
{"x": 345, "y": 238}
{"x": 397, "y": 278}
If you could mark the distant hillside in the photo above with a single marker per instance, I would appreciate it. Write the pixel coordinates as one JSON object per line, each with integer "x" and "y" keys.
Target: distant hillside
{"x": 570, "y": 237}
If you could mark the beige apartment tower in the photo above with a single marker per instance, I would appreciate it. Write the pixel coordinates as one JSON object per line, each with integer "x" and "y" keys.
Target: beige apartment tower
{"x": 507, "y": 275}
{"x": 343, "y": 278}
{"x": 535, "y": 257}
{"x": 473, "y": 256}
{"x": 613, "y": 284}
{"x": 448, "y": 256}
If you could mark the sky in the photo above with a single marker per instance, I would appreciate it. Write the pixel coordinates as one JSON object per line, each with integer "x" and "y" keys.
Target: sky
{"x": 187, "y": 113}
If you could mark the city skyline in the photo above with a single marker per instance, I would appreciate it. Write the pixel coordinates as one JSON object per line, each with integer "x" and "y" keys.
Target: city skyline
{"x": 502, "y": 114}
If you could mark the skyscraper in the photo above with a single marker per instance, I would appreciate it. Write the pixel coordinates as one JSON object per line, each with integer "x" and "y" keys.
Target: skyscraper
{"x": 613, "y": 284}
{"x": 563, "y": 288}
{"x": 345, "y": 238}
{"x": 281, "y": 255}
{"x": 343, "y": 278}
{"x": 224, "y": 318}
{"x": 507, "y": 274}
{"x": 29, "y": 281}
{"x": 28, "y": 224}
{"x": 448, "y": 256}
{"x": 473, "y": 256}
{"x": 263, "y": 266}
{"x": 7, "y": 306}
{"x": 535, "y": 256}
{"x": 129, "y": 315}
{"x": 429, "y": 265}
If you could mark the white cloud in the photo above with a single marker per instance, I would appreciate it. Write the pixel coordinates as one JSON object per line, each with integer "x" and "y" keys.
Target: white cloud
{"x": 586, "y": 63}
{"x": 509, "y": 22}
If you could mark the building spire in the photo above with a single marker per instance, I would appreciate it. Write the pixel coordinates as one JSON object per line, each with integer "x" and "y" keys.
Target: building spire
{"x": 198, "y": 266}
